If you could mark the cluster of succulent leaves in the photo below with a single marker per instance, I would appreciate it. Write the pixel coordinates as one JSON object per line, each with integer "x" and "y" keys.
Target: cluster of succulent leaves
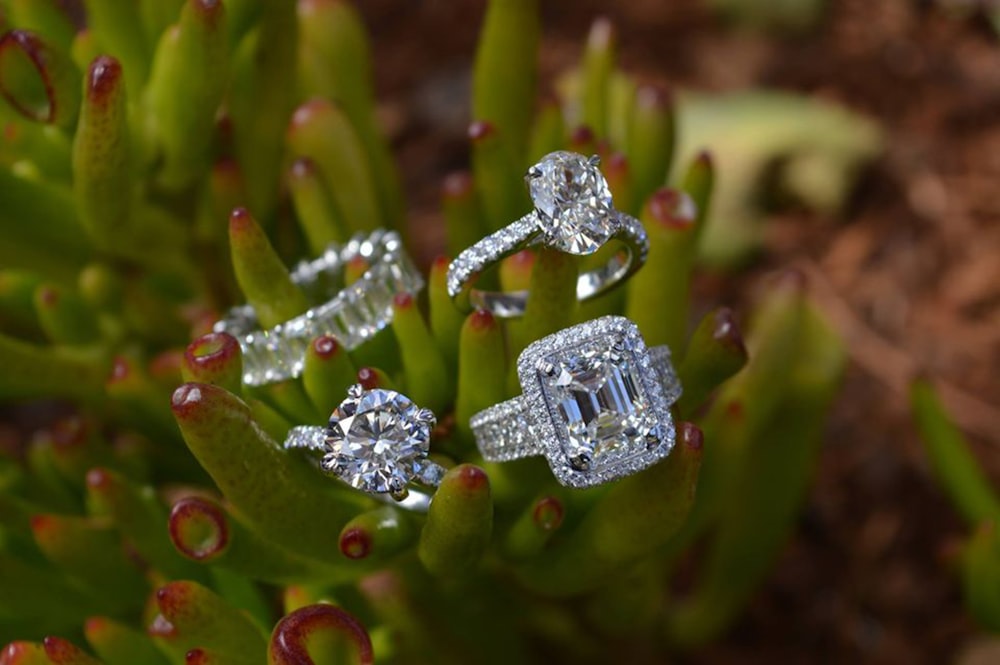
{"x": 158, "y": 520}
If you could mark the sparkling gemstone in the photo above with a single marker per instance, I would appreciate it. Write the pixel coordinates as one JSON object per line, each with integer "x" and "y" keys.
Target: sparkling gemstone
{"x": 377, "y": 440}
{"x": 597, "y": 391}
{"x": 573, "y": 202}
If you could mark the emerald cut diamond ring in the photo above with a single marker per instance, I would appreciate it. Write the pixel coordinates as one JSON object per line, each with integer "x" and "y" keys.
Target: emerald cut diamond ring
{"x": 596, "y": 404}
{"x": 573, "y": 214}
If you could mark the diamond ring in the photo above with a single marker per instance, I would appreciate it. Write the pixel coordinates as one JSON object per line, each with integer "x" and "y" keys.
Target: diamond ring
{"x": 596, "y": 404}
{"x": 573, "y": 213}
{"x": 377, "y": 441}
{"x": 351, "y": 315}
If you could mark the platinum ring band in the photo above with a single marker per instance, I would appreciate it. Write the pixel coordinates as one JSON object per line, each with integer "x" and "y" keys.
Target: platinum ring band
{"x": 312, "y": 438}
{"x": 351, "y": 314}
{"x": 525, "y": 233}
{"x": 503, "y": 432}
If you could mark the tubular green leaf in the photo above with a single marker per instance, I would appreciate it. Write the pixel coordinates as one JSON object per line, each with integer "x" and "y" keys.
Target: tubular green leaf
{"x": 192, "y": 616}
{"x": 715, "y": 353}
{"x": 204, "y": 531}
{"x": 597, "y": 67}
{"x": 505, "y": 73}
{"x": 763, "y": 499}
{"x": 39, "y": 79}
{"x": 335, "y": 63}
{"x": 118, "y": 644}
{"x": 459, "y": 523}
{"x": 259, "y": 478}
{"x": 636, "y": 517}
{"x": 140, "y": 517}
{"x": 102, "y": 164}
{"x": 317, "y": 213}
{"x": 262, "y": 276}
{"x": 482, "y": 368}
{"x": 446, "y": 320}
{"x": 651, "y": 140}
{"x": 118, "y": 29}
{"x": 427, "y": 380}
{"x": 327, "y": 374}
{"x": 321, "y": 132}
{"x": 954, "y": 464}
{"x": 659, "y": 296}
{"x": 264, "y": 60}
{"x": 499, "y": 182}
{"x": 186, "y": 86}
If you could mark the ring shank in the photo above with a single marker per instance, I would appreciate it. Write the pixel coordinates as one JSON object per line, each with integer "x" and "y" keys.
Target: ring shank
{"x": 525, "y": 233}
{"x": 312, "y": 439}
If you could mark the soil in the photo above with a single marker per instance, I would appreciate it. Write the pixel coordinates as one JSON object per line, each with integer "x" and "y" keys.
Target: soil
{"x": 910, "y": 276}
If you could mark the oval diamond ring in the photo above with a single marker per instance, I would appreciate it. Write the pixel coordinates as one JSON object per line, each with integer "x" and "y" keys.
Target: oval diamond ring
{"x": 573, "y": 213}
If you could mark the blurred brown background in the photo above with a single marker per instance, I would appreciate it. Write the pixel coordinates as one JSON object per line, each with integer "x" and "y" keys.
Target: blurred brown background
{"x": 909, "y": 273}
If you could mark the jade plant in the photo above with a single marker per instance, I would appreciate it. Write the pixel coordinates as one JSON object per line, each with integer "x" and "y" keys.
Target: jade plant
{"x": 163, "y": 160}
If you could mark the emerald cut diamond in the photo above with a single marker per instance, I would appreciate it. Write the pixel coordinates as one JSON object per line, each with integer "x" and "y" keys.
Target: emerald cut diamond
{"x": 600, "y": 400}
{"x": 573, "y": 202}
{"x": 597, "y": 402}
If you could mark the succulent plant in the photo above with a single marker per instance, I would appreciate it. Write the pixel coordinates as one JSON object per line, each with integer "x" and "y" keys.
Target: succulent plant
{"x": 156, "y": 519}
{"x": 968, "y": 488}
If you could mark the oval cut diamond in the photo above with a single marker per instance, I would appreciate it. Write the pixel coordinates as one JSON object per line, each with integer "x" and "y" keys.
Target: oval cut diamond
{"x": 377, "y": 441}
{"x": 573, "y": 202}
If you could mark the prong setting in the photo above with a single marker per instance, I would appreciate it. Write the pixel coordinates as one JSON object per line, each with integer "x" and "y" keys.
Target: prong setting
{"x": 596, "y": 401}
{"x": 378, "y": 441}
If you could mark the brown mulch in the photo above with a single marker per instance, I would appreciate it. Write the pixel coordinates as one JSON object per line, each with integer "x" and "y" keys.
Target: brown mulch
{"x": 911, "y": 276}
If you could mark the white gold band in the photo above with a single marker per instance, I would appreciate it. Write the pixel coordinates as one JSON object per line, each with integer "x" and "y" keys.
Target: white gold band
{"x": 351, "y": 315}
{"x": 525, "y": 233}
{"x": 503, "y": 432}
{"x": 312, "y": 439}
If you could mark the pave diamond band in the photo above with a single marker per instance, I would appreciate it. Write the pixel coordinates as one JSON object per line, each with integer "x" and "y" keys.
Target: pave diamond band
{"x": 523, "y": 234}
{"x": 351, "y": 315}
{"x": 573, "y": 213}
{"x": 595, "y": 404}
{"x": 376, "y": 441}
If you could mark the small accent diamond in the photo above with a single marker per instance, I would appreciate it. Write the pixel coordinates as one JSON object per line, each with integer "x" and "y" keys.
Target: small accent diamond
{"x": 377, "y": 441}
{"x": 573, "y": 202}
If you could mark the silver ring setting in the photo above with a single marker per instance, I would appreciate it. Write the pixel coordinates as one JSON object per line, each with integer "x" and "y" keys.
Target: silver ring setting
{"x": 376, "y": 441}
{"x": 351, "y": 314}
{"x": 596, "y": 404}
{"x": 573, "y": 213}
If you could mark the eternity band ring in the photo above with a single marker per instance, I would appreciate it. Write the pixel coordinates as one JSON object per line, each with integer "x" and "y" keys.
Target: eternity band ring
{"x": 376, "y": 441}
{"x": 596, "y": 403}
{"x": 351, "y": 314}
{"x": 573, "y": 213}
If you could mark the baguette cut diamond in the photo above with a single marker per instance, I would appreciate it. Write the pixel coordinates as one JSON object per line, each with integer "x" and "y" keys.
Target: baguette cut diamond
{"x": 377, "y": 441}
{"x": 598, "y": 395}
{"x": 573, "y": 202}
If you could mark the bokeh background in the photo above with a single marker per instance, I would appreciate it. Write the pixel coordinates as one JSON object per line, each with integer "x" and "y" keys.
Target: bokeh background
{"x": 903, "y": 258}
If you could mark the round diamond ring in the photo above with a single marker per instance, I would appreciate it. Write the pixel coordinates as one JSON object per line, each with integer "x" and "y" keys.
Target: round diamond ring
{"x": 377, "y": 441}
{"x": 573, "y": 213}
{"x": 596, "y": 404}
{"x": 351, "y": 315}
